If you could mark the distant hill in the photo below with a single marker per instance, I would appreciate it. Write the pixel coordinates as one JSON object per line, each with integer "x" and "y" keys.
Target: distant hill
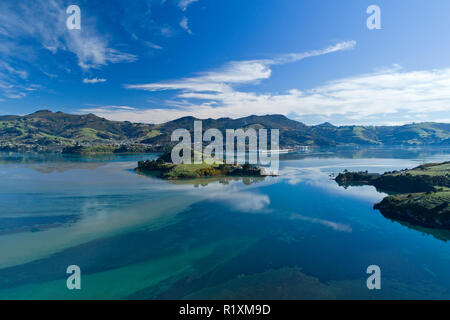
{"x": 48, "y": 129}
{"x": 54, "y": 130}
{"x": 410, "y": 134}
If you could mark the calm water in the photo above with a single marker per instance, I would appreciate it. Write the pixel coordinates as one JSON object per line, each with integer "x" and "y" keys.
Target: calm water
{"x": 296, "y": 236}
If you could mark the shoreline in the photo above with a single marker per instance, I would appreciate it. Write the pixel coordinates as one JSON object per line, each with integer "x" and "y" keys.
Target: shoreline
{"x": 420, "y": 195}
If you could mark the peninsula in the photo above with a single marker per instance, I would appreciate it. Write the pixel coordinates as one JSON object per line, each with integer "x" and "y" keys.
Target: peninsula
{"x": 420, "y": 196}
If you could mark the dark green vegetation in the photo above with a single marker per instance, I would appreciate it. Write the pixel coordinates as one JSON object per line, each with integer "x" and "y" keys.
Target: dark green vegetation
{"x": 356, "y": 178}
{"x": 48, "y": 131}
{"x": 164, "y": 168}
{"x": 422, "y": 193}
{"x": 110, "y": 148}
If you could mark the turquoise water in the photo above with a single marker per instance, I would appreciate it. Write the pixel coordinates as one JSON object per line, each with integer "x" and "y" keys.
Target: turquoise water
{"x": 296, "y": 236}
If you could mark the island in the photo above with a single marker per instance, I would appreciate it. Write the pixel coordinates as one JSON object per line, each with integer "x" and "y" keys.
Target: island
{"x": 164, "y": 168}
{"x": 420, "y": 196}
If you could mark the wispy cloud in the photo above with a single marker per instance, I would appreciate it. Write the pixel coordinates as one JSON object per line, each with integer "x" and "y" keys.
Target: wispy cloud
{"x": 152, "y": 45}
{"x": 45, "y": 22}
{"x": 233, "y": 73}
{"x": 14, "y": 71}
{"x": 13, "y": 82}
{"x": 183, "y": 4}
{"x": 93, "y": 80}
{"x": 108, "y": 108}
{"x": 365, "y": 98}
{"x": 340, "y": 227}
{"x": 217, "y": 88}
{"x": 166, "y": 31}
{"x": 184, "y": 24}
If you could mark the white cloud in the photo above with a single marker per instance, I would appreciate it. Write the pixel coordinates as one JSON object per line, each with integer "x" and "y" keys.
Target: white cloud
{"x": 183, "y": 4}
{"x": 106, "y": 108}
{"x": 235, "y": 72}
{"x": 392, "y": 94}
{"x": 45, "y": 22}
{"x": 93, "y": 80}
{"x": 14, "y": 71}
{"x": 386, "y": 96}
{"x": 216, "y": 88}
{"x": 407, "y": 96}
{"x": 12, "y": 80}
{"x": 166, "y": 31}
{"x": 152, "y": 45}
{"x": 184, "y": 24}
{"x": 244, "y": 201}
{"x": 327, "y": 223}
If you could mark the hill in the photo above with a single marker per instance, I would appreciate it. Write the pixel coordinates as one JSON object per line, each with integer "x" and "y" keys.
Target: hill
{"x": 46, "y": 130}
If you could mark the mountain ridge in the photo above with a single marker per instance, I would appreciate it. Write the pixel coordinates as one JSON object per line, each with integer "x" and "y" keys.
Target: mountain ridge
{"x": 45, "y": 129}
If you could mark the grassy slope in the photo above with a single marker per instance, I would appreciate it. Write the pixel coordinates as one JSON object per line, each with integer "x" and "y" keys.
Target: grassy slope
{"x": 431, "y": 169}
{"x": 189, "y": 170}
{"x": 426, "y": 200}
{"x": 429, "y": 209}
{"x": 46, "y": 128}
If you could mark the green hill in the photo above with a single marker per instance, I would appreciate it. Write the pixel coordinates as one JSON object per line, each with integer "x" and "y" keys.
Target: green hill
{"x": 46, "y": 130}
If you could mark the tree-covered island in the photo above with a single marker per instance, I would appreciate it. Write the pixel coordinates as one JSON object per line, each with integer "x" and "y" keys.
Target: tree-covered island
{"x": 164, "y": 168}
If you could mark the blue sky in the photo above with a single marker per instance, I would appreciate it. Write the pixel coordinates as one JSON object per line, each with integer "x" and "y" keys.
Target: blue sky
{"x": 157, "y": 60}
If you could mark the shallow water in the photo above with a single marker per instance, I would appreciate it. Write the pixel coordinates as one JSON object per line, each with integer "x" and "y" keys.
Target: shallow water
{"x": 296, "y": 236}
